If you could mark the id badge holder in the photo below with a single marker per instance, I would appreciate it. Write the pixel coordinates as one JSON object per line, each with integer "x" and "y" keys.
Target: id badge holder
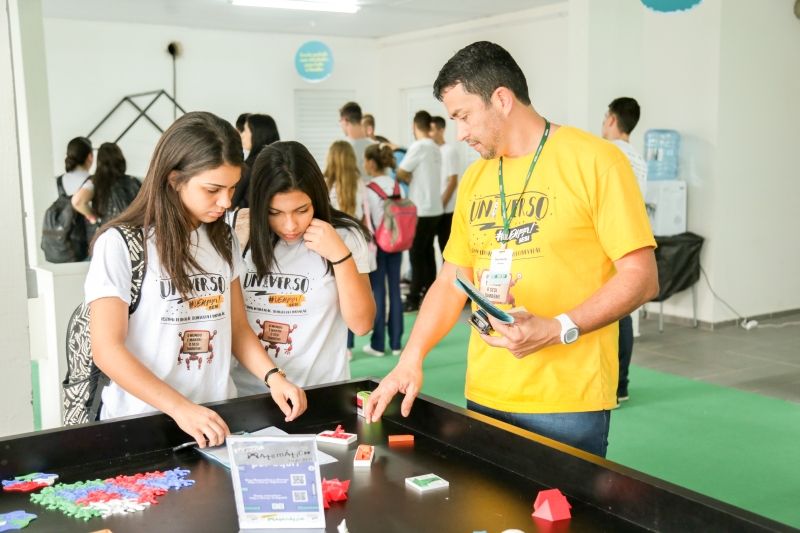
{"x": 495, "y": 282}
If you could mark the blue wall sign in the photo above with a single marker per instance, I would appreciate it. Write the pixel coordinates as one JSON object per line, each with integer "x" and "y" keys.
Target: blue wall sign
{"x": 670, "y": 6}
{"x": 314, "y": 61}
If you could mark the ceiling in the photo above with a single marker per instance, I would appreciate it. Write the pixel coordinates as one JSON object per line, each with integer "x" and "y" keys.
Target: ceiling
{"x": 377, "y": 18}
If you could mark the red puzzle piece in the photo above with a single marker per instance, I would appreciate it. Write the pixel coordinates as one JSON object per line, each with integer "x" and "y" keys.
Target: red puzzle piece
{"x": 551, "y": 505}
{"x": 334, "y": 491}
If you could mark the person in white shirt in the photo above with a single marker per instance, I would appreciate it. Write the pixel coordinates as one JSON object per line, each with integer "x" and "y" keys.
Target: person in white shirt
{"x": 350, "y": 118}
{"x": 450, "y": 179}
{"x": 306, "y": 268}
{"x": 421, "y": 168}
{"x": 77, "y": 164}
{"x": 174, "y": 351}
{"x": 379, "y": 158}
{"x": 621, "y": 117}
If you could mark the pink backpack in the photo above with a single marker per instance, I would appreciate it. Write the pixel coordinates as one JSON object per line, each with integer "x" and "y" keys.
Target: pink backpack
{"x": 396, "y": 232}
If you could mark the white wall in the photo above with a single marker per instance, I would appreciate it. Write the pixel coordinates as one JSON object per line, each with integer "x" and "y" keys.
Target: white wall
{"x": 537, "y": 39}
{"x": 92, "y": 65}
{"x": 756, "y": 243}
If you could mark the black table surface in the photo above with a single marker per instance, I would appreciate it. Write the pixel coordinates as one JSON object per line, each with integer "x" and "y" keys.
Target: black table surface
{"x": 495, "y": 472}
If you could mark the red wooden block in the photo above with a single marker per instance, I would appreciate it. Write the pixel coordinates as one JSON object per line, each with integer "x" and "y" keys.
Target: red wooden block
{"x": 397, "y": 439}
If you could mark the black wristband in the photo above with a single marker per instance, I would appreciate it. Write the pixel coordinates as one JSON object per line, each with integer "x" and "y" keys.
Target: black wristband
{"x": 275, "y": 370}
{"x": 348, "y": 256}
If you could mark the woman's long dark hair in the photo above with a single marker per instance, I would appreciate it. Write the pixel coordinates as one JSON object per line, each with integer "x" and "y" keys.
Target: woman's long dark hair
{"x": 194, "y": 143}
{"x": 263, "y": 132}
{"x": 78, "y": 150}
{"x": 280, "y": 168}
{"x": 111, "y": 167}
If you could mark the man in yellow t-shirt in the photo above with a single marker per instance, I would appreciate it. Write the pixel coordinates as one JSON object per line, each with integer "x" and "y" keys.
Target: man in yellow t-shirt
{"x": 571, "y": 254}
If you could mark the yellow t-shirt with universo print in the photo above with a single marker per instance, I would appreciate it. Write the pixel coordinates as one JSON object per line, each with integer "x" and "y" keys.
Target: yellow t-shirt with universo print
{"x": 581, "y": 211}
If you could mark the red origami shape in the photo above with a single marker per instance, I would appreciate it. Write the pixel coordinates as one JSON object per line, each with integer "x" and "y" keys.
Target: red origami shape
{"x": 551, "y": 505}
{"x": 334, "y": 491}
{"x": 337, "y": 433}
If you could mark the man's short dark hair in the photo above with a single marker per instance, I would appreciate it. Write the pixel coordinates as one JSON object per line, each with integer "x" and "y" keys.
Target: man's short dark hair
{"x": 481, "y": 68}
{"x": 422, "y": 120}
{"x": 240, "y": 122}
{"x": 439, "y": 122}
{"x": 368, "y": 120}
{"x": 351, "y": 112}
{"x": 627, "y": 112}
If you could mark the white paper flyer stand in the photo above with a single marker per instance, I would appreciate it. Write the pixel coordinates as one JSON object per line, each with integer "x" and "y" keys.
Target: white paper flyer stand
{"x": 276, "y": 482}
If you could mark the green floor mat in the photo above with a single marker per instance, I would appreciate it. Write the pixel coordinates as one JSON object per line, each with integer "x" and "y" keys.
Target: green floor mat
{"x": 735, "y": 446}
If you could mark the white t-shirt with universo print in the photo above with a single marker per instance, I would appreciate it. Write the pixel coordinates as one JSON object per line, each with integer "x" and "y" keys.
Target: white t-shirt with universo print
{"x": 185, "y": 343}
{"x": 296, "y": 314}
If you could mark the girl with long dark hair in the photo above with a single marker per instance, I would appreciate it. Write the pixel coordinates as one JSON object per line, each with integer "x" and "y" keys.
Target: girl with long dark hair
{"x": 174, "y": 351}
{"x": 306, "y": 270}
{"x": 77, "y": 165}
{"x": 112, "y": 190}
{"x": 259, "y": 131}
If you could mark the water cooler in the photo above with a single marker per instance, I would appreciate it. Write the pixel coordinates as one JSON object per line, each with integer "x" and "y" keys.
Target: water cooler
{"x": 666, "y": 207}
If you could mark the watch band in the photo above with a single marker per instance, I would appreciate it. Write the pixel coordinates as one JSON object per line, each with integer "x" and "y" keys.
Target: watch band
{"x": 273, "y": 371}
{"x": 569, "y": 331}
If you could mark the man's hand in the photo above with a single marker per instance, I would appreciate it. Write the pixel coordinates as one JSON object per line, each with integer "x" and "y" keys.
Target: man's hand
{"x": 527, "y": 335}
{"x": 405, "y": 378}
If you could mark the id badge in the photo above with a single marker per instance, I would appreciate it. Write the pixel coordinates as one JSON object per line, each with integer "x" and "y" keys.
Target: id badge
{"x": 501, "y": 261}
{"x": 494, "y": 285}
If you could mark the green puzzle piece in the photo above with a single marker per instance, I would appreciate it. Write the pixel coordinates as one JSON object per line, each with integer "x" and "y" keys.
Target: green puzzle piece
{"x": 425, "y": 482}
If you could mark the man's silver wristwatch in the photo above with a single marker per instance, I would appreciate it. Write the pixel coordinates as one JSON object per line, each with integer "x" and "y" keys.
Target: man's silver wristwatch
{"x": 569, "y": 331}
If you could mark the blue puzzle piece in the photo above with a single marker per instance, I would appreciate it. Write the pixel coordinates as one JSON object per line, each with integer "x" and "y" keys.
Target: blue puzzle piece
{"x": 15, "y": 520}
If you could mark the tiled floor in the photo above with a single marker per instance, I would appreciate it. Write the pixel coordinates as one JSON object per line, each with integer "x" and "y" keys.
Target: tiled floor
{"x": 763, "y": 360}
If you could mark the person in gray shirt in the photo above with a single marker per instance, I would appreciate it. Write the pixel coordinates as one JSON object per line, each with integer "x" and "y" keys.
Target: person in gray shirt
{"x": 350, "y": 117}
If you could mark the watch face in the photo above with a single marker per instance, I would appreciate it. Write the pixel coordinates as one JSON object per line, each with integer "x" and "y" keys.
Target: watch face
{"x": 571, "y": 335}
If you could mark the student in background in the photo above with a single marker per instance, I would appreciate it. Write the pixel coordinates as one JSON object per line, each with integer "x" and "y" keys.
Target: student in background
{"x": 320, "y": 259}
{"x": 190, "y": 294}
{"x": 240, "y": 122}
{"x": 77, "y": 164}
{"x": 345, "y": 187}
{"x": 421, "y": 168}
{"x": 449, "y": 179}
{"x": 378, "y": 158}
{"x": 368, "y": 121}
{"x": 259, "y": 131}
{"x": 350, "y": 120}
{"x": 621, "y": 117}
{"x": 109, "y": 192}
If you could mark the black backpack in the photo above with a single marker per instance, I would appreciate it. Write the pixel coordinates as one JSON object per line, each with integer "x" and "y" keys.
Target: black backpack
{"x": 84, "y": 383}
{"x": 121, "y": 195}
{"x": 64, "y": 231}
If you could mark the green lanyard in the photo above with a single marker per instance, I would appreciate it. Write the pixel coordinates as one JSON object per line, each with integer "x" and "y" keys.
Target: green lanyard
{"x": 503, "y": 208}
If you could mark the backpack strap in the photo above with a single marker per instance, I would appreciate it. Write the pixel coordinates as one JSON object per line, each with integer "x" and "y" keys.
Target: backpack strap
{"x": 396, "y": 193}
{"x": 60, "y": 185}
{"x": 377, "y": 190}
{"x": 134, "y": 240}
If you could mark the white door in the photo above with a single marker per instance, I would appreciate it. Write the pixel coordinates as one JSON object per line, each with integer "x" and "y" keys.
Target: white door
{"x": 317, "y": 119}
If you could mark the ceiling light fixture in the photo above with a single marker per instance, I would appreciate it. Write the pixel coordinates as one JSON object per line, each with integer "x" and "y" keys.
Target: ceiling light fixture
{"x": 335, "y": 6}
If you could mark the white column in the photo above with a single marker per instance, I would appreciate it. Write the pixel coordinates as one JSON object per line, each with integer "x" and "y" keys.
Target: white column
{"x": 16, "y": 415}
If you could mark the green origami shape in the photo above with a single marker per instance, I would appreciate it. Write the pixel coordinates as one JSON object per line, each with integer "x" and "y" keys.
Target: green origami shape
{"x": 425, "y": 482}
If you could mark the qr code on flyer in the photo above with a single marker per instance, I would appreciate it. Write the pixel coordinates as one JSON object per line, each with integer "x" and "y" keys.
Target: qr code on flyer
{"x": 298, "y": 480}
{"x": 299, "y": 496}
